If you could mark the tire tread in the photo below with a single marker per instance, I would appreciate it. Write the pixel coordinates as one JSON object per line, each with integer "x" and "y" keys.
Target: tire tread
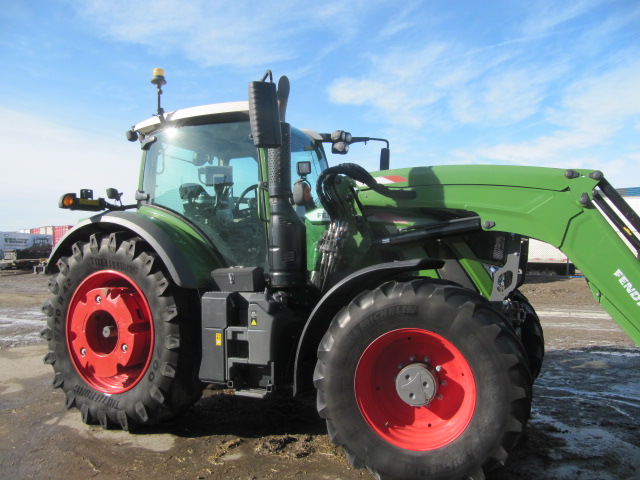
{"x": 466, "y": 303}
{"x": 177, "y": 385}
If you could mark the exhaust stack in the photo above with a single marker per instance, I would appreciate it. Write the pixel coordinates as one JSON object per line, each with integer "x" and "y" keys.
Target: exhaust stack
{"x": 287, "y": 239}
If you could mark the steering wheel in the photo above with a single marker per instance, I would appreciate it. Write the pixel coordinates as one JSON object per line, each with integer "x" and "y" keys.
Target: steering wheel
{"x": 237, "y": 213}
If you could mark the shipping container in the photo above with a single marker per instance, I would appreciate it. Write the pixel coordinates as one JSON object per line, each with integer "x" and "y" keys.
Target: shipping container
{"x": 59, "y": 232}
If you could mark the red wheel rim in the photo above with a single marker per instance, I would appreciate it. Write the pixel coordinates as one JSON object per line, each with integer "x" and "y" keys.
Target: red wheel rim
{"x": 408, "y": 427}
{"x": 110, "y": 331}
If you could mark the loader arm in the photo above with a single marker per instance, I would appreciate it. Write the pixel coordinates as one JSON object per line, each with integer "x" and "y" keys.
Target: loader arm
{"x": 552, "y": 205}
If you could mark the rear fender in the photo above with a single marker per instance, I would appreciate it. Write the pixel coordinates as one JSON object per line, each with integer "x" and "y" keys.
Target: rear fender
{"x": 336, "y": 298}
{"x": 188, "y": 257}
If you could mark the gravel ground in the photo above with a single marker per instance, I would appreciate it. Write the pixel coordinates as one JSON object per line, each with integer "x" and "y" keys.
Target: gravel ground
{"x": 584, "y": 423}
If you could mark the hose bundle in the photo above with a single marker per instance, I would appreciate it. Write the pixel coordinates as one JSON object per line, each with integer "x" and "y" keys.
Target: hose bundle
{"x": 333, "y": 240}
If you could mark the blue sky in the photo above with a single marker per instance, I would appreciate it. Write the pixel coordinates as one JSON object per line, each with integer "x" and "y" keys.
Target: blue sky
{"x": 502, "y": 82}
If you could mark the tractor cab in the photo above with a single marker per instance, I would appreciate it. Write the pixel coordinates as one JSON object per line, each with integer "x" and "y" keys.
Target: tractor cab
{"x": 202, "y": 165}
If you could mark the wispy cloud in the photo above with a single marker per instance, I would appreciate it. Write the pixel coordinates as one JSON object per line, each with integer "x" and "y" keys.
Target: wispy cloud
{"x": 239, "y": 34}
{"x": 503, "y": 97}
{"x": 403, "y": 19}
{"x": 400, "y": 88}
{"x": 556, "y": 88}
{"x": 439, "y": 83}
{"x": 547, "y": 15}
{"x": 591, "y": 112}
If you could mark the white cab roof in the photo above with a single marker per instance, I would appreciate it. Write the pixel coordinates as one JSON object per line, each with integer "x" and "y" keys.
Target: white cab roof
{"x": 203, "y": 110}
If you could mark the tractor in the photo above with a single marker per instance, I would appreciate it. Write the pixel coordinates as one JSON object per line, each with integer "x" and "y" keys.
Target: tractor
{"x": 394, "y": 294}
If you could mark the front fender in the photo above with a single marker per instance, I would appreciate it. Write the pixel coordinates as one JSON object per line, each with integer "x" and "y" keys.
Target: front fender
{"x": 188, "y": 257}
{"x": 331, "y": 303}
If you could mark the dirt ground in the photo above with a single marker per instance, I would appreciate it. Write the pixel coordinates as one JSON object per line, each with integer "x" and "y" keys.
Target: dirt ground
{"x": 584, "y": 423}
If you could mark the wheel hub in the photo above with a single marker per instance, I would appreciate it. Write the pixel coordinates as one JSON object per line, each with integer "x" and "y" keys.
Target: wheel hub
{"x": 417, "y": 384}
{"x": 415, "y": 389}
{"x": 110, "y": 332}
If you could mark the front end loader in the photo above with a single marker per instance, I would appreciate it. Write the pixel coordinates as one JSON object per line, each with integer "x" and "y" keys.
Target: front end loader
{"x": 394, "y": 294}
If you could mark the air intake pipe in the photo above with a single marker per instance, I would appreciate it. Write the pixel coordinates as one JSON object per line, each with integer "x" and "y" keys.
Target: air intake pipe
{"x": 287, "y": 238}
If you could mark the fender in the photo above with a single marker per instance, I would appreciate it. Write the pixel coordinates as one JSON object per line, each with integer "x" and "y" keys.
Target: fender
{"x": 186, "y": 254}
{"x": 340, "y": 295}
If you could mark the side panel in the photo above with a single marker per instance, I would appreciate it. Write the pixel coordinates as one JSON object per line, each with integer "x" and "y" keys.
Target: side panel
{"x": 188, "y": 257}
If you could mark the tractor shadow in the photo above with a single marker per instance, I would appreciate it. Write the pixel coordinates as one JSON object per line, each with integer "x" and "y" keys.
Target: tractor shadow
{"x": 583, "y": 423}
{"x": 220, "y": 412}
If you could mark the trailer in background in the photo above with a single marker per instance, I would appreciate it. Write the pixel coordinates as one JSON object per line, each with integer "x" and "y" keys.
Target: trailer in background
{"x": 22, "y": 240}
{"x": 545, "y": 258}
{"x": 30, "y": 248}
{"x": 23, "y": 250}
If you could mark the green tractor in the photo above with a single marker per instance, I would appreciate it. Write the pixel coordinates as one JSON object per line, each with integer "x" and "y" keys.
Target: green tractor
{"x": 395, "y": 294}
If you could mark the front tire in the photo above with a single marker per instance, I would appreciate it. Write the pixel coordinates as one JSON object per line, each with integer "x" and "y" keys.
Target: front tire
{"x": 531, "y": 334}
{"x": 422, "y": 380}
{"x": 122, "y": 338}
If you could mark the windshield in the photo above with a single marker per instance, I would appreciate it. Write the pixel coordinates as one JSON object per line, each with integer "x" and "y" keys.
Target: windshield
{"x": 210, "y": 174}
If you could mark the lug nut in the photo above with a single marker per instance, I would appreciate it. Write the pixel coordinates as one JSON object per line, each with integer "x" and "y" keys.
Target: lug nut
{"x": 124, "y": 347}
{"x": 426, "y": 359}
{"x": 412, "y": 358}
{"x": 439, "y": 368}
{"x": 400, "y": 366}
{"x": 83, "y": 352}
{"x": 98, "y": 298}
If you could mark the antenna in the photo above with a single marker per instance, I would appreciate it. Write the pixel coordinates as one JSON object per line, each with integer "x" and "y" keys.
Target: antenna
{"x": 158, "y": 80}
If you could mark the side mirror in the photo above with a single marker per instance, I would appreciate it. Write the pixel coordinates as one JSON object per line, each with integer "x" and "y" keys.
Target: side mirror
{"x": 264, "y": 115}
{"x": 131, "y": 135}
{"x": 384, "y": 158}
{"x": 113, "y": 194}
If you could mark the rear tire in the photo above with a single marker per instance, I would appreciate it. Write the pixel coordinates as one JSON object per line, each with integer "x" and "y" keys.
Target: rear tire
{"x": 122, "y": 341}
{"x": 422, "y": 380}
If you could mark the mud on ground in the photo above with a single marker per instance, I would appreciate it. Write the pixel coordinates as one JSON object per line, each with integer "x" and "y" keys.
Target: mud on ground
{"x": 584, "y": 423}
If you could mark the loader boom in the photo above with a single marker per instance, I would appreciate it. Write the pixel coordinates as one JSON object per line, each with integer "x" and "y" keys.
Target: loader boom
{"x": 551, "y": 205}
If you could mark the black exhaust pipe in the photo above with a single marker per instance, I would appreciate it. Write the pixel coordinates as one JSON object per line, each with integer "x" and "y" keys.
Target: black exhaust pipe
{"x": 287, "y": 238}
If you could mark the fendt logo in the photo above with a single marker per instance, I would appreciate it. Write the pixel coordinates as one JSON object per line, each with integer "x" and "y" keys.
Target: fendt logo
{"x": 628, "y": 286}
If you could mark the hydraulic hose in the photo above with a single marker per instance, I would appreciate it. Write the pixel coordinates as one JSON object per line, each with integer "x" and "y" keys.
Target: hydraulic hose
{"x": 359, "y": 174}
